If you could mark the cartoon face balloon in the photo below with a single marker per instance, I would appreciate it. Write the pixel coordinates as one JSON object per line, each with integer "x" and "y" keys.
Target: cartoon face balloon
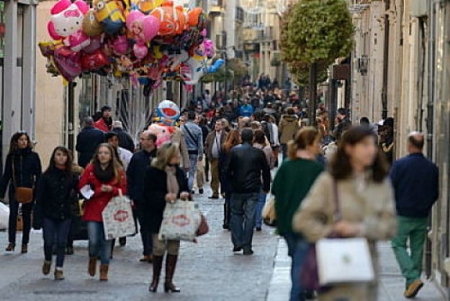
{"x": 168, "y": 111}
{"x": 67, "y": 18}
{"x": 172, "y": 19}
{"x": 141, "y": 27}
{"x": 90, "y": 25}
{"x": 109, "y": 13}
{"x": 162, "y": 133}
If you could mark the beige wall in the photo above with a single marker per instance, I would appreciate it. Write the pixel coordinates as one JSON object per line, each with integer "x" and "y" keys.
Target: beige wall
{"x": 49, "y": 95}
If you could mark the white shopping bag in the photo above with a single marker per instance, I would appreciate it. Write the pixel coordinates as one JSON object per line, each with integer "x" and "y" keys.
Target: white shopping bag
{"x": 118, "y": 218}
{"x": 4, "y": 216}
{"x": 344, "y": 261}
{"x": 181, "y": 220}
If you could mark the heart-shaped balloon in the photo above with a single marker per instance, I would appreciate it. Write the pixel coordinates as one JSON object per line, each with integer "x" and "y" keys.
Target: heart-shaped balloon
{"x": 67, "y": 62}
{"x": 94, "y": 61}
{"x": 141, "y": 27}
{"x": 140, "y": 51}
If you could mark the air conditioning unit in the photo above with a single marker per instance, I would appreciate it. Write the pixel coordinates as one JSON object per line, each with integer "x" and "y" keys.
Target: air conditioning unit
{"x": 419, "y": 8}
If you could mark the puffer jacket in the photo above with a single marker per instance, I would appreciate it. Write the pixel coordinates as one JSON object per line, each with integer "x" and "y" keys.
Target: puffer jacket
{"x": 287, "y": 128}
{"x": 56, "y": 195}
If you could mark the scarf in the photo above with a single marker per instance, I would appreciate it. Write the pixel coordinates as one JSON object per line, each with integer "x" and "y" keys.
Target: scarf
{"x": 172, "y": 183}
{"x": 103, "y": 175}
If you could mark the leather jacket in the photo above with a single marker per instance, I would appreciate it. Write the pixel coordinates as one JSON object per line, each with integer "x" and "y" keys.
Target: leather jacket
{"x": 245, "y": 166}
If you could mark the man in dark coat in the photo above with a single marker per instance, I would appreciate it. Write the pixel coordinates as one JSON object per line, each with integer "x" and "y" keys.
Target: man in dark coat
{"x": 125, "y": 140}
{"x": 87, "y": 142}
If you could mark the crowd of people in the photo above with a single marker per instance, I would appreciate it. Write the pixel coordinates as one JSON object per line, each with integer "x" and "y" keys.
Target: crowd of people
{"x": 332, "y": 180}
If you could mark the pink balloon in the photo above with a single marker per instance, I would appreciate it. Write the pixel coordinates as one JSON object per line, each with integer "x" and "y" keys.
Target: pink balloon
{"x": 96, "y": 43}
{"x": 142, "y": 27}
{"x": 68, "y": 62}
{"x": 120, "y": 45}
{"x": 209, "y": 48}
{"x": 140, "y": 51}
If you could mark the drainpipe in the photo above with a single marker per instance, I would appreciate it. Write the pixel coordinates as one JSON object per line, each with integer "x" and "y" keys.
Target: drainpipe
{"x": 384, "y": 100}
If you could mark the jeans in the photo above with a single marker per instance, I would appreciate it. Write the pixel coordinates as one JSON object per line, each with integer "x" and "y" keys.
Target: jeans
{"x": 98, "y": 245}
{"x": 193, "y": 159}
{"x": 55, "y": 232}
{"x": 414, "y": 230}
{"x": 297, "y": 249}
{"x": 284, "y": 149}
{"x": 259, "y": 208}
{"x": 243, "y": 207}
{"x": 26, "y": 218}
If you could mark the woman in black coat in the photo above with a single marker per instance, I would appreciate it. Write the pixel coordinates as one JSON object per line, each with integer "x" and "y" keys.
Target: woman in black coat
{"x": 165, "y": 182}
{"x": 22, "y": 169}
{"x": 56, "y": 201}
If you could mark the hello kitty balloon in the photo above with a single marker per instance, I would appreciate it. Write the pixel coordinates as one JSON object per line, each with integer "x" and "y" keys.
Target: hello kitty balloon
{"x": 66, "y": 23}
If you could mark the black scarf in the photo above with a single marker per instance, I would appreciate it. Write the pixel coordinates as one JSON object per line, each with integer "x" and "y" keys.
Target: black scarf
{"x": 103, "y": 175}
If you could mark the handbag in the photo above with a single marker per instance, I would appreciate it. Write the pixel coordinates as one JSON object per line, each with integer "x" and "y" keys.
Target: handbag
{"x": 268, "y": 213}
{"x": 203, "y": 228}
{"x": 23, "y": 195}
{"x": 349, "y": 262}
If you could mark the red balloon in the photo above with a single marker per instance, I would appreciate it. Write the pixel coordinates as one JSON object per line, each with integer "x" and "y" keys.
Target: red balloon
{"x": 94, "y": 61}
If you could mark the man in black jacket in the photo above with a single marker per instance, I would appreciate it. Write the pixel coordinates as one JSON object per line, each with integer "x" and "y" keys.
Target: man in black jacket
{"x": 87, "y": 142}
{"x": 125, "y": 139}
{"x": 135, "y": 181}
{"x": 245, "y": 167}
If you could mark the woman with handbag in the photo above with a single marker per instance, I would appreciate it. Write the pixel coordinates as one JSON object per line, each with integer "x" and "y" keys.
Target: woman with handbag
{"x": 22, "y": 172}
{"x": 233, "y": 139}
{"x": 55, "y": 199}
{"x": 354, "y": 199}
{"x": 260, "y": 141}
{"x": 290, "y": 186}
{"x": 165, "y": 182}
{"x": 106, "y": 178}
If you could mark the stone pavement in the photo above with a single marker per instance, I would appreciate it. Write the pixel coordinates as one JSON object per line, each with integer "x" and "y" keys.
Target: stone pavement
{"x": 391, "y": 284}
{"x": 206, "y": 271}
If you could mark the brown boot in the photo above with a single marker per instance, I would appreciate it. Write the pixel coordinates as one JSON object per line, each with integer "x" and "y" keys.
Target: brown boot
{"x": 157, "y": 266}
{"x": 104, "y": 272}
{"x": 92, "y": 266}
{"x": 171, "y": 263}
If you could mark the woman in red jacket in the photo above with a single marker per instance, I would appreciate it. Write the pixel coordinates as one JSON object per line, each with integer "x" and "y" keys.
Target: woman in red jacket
{"x": 106, "y": 178}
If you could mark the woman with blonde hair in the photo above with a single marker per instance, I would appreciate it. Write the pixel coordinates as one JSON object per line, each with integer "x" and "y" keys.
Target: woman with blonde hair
{"x": 106, "y": 178}
{"x": 233, "y": 139}
{"x": 357, "y": 189}
{"x": 164, "y": 182}
{"x": 291, "y": 184}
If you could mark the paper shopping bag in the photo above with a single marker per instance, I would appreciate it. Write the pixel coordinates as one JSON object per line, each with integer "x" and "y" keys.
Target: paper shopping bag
{"x": 181, "y": 221}
{"x": 118, "y": 218}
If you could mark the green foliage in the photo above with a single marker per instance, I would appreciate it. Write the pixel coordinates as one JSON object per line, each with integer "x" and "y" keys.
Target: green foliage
{"x": 300, "y": 73}
{"x": 315, "y": 31}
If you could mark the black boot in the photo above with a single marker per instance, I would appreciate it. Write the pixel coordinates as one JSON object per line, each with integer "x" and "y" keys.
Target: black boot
{"x": 157, "y": 266}
{"x": 171, "y": 263}
{"x": 226, "y": 216}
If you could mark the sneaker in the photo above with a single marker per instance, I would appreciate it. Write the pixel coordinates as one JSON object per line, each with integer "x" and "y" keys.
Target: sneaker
{"x": 248, "y": 252}
{"x": 213, "y": 197}
{"x": 413, "y": 289}
{"x": 201, "y": 191}
{"x": 46, "y": 267}
{"x": 237, "y": 249}
{"x": 59, "y": 275}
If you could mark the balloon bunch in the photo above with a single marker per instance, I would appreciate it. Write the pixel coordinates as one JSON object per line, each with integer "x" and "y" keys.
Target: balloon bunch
{"x": 147, "y": 40}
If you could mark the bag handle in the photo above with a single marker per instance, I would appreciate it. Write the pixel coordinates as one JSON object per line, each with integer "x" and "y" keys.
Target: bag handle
{"x": 120, "y": 192}
{"x": 338, "y": 211}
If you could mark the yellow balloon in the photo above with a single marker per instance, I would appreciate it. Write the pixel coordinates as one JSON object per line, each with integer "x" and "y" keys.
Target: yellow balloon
{"x": 146, "y": 6}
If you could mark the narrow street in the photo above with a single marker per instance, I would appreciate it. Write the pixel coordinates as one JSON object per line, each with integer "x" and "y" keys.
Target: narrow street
{"x": 206, "y": 271}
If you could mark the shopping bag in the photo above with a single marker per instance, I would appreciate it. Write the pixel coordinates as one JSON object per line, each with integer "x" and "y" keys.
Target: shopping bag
{"x": 268, "y": 213}
{"x": 345, "y": 260}
{"x": 4, "y": 216}
{"x": 181, "y": 221}
{"x": 118, "y": 218}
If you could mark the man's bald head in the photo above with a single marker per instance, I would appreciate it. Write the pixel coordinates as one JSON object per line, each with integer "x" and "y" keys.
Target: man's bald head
{"x": 416, "y": 142}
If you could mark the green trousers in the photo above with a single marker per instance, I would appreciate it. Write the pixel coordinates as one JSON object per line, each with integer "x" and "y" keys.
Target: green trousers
{"x": 413, "y": 230}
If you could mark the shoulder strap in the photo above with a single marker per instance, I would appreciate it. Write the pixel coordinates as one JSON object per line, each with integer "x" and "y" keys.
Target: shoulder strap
{"x": 338, "y": 212}
{"x": 190, "y": 134}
